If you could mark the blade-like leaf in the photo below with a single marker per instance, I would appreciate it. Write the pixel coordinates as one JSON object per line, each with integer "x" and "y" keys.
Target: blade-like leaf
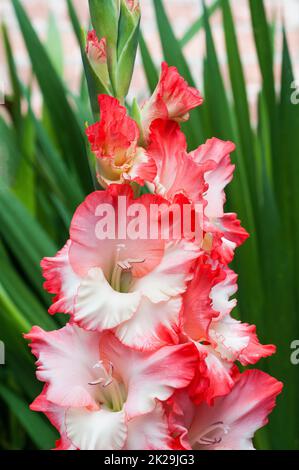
{"x": 222, "y": 126}
{"x": 239, "y": 92}
{"x": 42, "y": 433}
{"x": 71, "y": 142}
{"x": 174, "y": 56}
{"x": 14, "y": 79}
{"x": 198, "y": 25}
{"x": 25, "y": 238}
{"x": 148, "y": 64}
{"x": 24, "y": 184}
{"x": 54, "y": 44}
{"x": 264, "y": 51}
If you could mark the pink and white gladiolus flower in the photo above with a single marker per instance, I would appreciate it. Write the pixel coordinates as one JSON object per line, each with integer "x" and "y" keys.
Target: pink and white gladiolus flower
{"x": 220, "y": 339}
{"x": 230, "y": 424}
{"x": 149, "y": 358}
{"x": 114, "y": 141}
{"x": 131, "y": 286}
{"x": 101, "y": 395}
{"x": 173, "y": 99}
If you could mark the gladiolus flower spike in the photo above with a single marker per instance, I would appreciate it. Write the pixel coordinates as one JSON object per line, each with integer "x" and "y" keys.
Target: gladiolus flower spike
{"x": 150, "y": 355}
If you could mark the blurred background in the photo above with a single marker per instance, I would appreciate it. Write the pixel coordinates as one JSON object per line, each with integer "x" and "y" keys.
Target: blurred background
{"x": 182, "y": 14}
{"x": 244, "y": 57}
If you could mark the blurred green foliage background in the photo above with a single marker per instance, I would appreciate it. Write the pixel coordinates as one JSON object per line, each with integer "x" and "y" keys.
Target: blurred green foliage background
{"x": 49, "y": 171}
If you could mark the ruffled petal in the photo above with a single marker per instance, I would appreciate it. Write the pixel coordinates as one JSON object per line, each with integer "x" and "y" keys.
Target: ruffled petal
{"x": 65, "y": 360}
{"x": 219, "y": 177}
{"x": 172, "y": 99}
{"x": 89, "y": 250}
{"x": 96, "y": 430}
{"x": 149, "y": 431}
{"x": 169, "y": 278}
{"x": 215, "y": 377}
{"x": 99, "y": 307}
{"x": 199, "y": 310}
{"x": 56, "y": 416}
{"x": 152, "y": 326}
{"x": 150, "y": 376}
{"x": 177, "y": 173}
{"x": 231, "y": 423}
{"x": 238, "y": 341}
{"x": 61, "y": 280}
{"x": 115, "y": 136}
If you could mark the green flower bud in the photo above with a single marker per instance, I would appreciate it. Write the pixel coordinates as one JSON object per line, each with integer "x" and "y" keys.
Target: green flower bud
{"x": 128, "y": 32}
{"x": 105, "y": 16}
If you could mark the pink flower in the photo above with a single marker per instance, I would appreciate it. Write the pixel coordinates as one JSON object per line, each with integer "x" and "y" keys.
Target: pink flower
{"x": 172, "y": 99}
{"x": 101, "y": 395}
{"x": 132, "y": 286}
{"x": 221, "y": 340}
{"x": 114, "y": 142}
{"x": 177, "y": 173}
{"x": 230, "y": 424}
{"x": 224, "y": 231}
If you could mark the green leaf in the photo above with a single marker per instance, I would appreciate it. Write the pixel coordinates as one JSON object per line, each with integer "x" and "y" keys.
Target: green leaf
{"x": 14, "y": 79}
{"x": 239, "y": 92}
{"x": 174, "y": 56}
{"x": 264, "y": 51}
{"x": 239, "y": 200}
{"x": 150, "y": 70}
{"x": 10, "y": 154}
{"x": 24, "y": 184}
{"x": 198, "y": 25}
{"x": 32, "y": 311}
{"x": 71, "y": 142}
{"x": 283, "y": 279}
{"x": 41, "y": 432}
{"x": 54, "y": 45}
{"x": 15, "y": 317}
{"x": 25, "y": 238}
{"x": 59, "y": 177}
{"x": 96, "y": 85}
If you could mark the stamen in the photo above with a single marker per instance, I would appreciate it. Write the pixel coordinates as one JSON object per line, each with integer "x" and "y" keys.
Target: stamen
{"x": 210, "y": 442}
{"x": 126, "y": 265}
{"x": 111, "y": 393}
{"x": 218, "y": 427}
{"x": 122, "y": 267}
{"x": 104, "y": 381}
{"x": 107, "y": 383}
{"x": 111, "y": 369}
{"x": 98, "y": 365}
{"x": 96, "y": 382}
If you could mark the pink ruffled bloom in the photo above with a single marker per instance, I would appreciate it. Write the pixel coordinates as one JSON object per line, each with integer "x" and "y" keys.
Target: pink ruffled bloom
{"x": 220, "y": 339}
{"x": 231, "y": 422}
{"x": 132, "y": 286}
{"x": 149, "y": 357}
{"x": 114, "y": 141}
{"x": 173, "y": 99}
{"x": 101, "y": 395}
